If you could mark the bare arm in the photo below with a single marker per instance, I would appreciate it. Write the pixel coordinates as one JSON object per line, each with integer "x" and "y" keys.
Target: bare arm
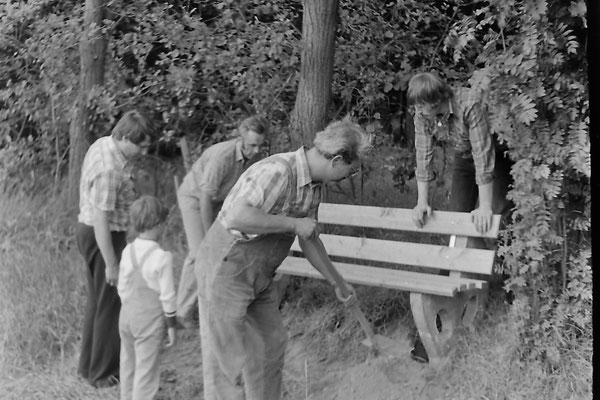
{"x": 251, "y": 220}
{"x": 207, "y": 213}
{"x": 104, "y": 240}
{"x": 315, "y": 253}
{"x": 482, "y": 215}
{"x": 422, "y": 208}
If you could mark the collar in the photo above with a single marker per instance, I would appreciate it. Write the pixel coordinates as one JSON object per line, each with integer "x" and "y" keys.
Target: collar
{"x": 116, "y": 151}
{"x": 452, "y": 106}
{"x": 302, "y": 170}
{"x": 146, "y": 239}
{"x": 239, "y": 156}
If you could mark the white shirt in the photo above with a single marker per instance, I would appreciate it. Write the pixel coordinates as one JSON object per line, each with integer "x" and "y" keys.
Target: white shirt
{"x": 157, "y": 272}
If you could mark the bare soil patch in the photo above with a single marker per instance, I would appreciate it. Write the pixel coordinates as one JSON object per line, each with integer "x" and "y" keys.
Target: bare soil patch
{"x": 370, "y": 377}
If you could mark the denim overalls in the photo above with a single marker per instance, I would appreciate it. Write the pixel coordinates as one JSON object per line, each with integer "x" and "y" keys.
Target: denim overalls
{"x": 241, "y": 328}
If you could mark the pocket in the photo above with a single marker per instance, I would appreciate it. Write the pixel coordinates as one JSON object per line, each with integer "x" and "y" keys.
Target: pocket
{"x": 231, "y": 267}
{"x": 233, "y": 260}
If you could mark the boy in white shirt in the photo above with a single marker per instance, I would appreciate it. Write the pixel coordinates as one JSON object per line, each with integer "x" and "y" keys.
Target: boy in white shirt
{"x": 147, "y": 293}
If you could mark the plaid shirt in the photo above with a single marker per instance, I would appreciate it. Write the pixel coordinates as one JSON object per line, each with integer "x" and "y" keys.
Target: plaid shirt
{"x": 467, "y": 127}
{"x": 216, "y": 171}
{"x": 106, "y": 184}
{"x": 273, "y": 188}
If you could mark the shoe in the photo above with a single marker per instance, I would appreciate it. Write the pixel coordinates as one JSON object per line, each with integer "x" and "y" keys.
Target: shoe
{"x": 418, "y": 352}
{"x": 105, "y": 383}
{"x": 509, "y": 297}
{"x": 187, "y": 323}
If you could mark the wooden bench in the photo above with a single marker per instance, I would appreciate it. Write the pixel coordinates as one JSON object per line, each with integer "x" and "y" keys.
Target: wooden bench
{"x": 440, "y": 304}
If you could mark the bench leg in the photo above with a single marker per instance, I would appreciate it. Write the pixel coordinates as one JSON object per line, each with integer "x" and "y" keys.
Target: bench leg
{"x": 438, "y": 317}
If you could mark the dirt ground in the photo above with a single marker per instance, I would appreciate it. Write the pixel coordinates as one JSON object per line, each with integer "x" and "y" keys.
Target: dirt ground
{"x": 374, "y": 377}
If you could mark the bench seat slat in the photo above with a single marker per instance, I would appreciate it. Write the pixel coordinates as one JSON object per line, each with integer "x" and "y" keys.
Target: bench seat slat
{"x": 416, "y": 254}
{"x": 441, "y": 222}
{"x": 386, "y": 278}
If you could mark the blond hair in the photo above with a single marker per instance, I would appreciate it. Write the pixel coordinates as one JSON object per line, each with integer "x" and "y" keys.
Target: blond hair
{"x": 147, "y": 212}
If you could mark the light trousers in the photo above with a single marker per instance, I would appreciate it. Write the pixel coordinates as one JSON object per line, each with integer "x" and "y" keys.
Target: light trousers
{"x": 187, "y": 293}
{"x": 242, "y": 333}
{"x": 141, "y": 342}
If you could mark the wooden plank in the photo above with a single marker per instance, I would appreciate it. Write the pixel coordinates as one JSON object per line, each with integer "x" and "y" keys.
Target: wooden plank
{"x": 441, "y": 222}
{"x": 385, "y": 277}
{"x": 417, "y": 254}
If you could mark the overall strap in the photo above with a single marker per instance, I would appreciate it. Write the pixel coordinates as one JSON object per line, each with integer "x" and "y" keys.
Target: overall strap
{"x": 145, "y": 256}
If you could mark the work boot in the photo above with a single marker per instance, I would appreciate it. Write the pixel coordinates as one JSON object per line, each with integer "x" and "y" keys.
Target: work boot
{"x": 418, "y": 352}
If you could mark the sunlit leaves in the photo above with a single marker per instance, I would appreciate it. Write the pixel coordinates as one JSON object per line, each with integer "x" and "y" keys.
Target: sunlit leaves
{"x": 535, "y": 70}
{"x": 524, "y": 109}
{"x": 579, "y": 147}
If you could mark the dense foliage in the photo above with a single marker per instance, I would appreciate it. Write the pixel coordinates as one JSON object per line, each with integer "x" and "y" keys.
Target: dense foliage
{"x": 197, "y": 67}
{"x": 534, "y": 68}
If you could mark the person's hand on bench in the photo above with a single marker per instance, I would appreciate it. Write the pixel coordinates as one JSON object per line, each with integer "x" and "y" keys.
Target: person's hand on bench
{"x": 420, "y": 212}
{"x": 482, "y": 218}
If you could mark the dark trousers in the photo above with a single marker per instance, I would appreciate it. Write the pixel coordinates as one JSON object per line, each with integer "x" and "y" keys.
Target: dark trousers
{"x": 465, "y": 192}
{"x": 100, "y": 341}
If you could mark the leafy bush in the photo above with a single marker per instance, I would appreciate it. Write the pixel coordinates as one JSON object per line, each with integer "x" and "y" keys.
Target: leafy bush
{"x": 534, "y": 71}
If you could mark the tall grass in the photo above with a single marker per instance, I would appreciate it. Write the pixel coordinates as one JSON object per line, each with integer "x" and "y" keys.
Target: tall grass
{"x": 43, "y": 296}
{"x": 41, "y": 282}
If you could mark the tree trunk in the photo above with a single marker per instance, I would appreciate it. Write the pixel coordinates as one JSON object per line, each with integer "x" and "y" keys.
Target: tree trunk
{"x": 92, "y": 50}
{"x": 310, "y": 113}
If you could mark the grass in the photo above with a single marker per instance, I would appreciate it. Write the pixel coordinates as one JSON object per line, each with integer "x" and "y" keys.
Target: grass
{"x": 42, "y": 297}
{"x": 41, "y": 288}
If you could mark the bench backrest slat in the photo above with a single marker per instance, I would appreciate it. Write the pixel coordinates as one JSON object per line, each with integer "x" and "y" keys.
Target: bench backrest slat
{"x": 441, "y": 222}
{"x": 406, "y": 253}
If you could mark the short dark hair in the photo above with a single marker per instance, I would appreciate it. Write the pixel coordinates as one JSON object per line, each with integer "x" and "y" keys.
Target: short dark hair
{"x": 256, "y": 123}
{"x": 147, "y": 212}
{"x": 427, "y": 88}
{"x": 133, "y": 126}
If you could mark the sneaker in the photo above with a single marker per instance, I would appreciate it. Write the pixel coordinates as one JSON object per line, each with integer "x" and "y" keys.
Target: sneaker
{"x": 418, "y": 352}
{"x": 105, "y": 383}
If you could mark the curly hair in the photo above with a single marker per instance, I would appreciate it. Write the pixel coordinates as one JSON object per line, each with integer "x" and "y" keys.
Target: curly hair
{"x": 344, "y": 138}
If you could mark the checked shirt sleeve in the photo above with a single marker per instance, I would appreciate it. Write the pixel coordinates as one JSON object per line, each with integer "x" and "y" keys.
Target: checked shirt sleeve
{"x": 483, "y": 151}
{"x": 424, "y": 150}
{"x": 213, "y": 176}
{"x": 263, "y": 186}
{"x": 103, "y": 190}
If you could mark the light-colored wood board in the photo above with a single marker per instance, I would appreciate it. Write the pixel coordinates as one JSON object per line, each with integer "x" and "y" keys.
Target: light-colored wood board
{"x": 385, "y": 277}
{"x": 416, "y": 254}
{"x": 441, "y": 222}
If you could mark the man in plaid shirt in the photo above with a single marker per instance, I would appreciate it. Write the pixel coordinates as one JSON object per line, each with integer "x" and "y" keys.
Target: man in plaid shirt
{"x": 242, "y": 333}
{"x": 481, "y": 169}
{"x": 201, "y": 195}
{"x": 105, "y": 193}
